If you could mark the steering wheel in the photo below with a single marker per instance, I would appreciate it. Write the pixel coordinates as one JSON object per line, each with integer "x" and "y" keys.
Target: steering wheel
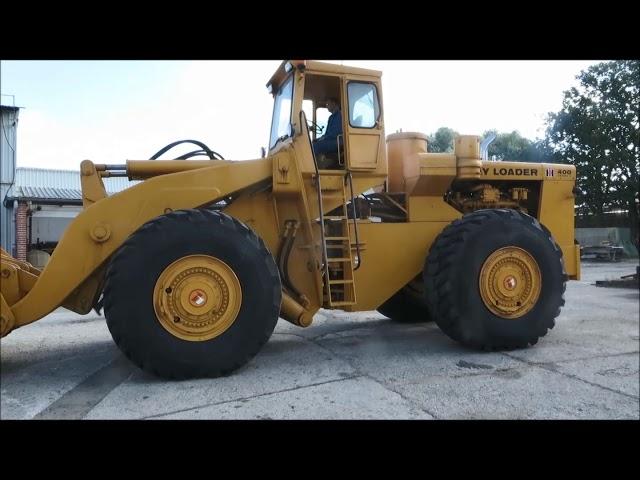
{"x": 315, "y": 127}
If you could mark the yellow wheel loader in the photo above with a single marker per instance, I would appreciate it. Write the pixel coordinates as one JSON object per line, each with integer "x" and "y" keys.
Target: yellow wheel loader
{"x": 195, "y": 264}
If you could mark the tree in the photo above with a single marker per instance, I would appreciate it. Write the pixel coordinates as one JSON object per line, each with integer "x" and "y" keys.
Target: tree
{"x": 597, "y": 130}
{"x": 506, "y": 146}
{"x": 442, "y": 140}
{"x": 514, "y": 147}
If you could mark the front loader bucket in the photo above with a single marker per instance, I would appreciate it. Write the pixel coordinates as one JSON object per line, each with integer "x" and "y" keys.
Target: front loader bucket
{"x": 16, "y": 279}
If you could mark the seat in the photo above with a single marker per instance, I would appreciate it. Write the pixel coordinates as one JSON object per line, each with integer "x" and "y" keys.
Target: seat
{"x": 330, "y": 160}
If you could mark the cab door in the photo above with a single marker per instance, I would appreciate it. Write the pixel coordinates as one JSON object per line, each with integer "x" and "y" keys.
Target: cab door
{"x": 363, "y": 124}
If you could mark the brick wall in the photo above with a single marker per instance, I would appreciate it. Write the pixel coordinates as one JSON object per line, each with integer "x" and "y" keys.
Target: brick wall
{"x": 21, "y": 231}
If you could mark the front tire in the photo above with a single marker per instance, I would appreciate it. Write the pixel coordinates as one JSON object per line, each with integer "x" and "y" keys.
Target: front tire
{"x": 194, "y": 293}
{"x": 495, "y": 280}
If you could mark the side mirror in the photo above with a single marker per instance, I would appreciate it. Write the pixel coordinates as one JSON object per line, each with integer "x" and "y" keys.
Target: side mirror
{"x": 263, "y": 152}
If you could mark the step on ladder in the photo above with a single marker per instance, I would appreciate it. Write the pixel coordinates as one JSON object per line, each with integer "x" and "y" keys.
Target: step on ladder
{"x": 338, "y": 278}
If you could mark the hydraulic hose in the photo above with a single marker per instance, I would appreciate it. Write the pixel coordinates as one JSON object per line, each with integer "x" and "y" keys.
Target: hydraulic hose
{"x": 204, "y": 150}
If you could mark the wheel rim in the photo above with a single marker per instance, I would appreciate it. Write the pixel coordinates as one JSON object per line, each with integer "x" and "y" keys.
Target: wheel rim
{"x": 510, "y": 282}
{"x": 197, "y": 297}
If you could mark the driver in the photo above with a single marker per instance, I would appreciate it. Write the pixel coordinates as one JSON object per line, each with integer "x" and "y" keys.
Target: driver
{"x": 327, "y": 144}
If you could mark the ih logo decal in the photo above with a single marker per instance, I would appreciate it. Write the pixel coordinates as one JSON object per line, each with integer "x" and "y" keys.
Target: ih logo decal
{"x": 549, "y": 172}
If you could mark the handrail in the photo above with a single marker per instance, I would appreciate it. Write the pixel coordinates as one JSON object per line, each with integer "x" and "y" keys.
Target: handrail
{"x": 355, "y": 221}
{"x": 325, "y": 263}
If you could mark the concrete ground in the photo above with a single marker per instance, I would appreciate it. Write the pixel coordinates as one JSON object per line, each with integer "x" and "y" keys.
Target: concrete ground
{"x": 346, "y": 366}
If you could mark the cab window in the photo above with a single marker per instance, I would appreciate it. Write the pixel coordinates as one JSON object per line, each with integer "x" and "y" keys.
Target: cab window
{"x": 364, "y": 108}
{"x": 281, "y": 123}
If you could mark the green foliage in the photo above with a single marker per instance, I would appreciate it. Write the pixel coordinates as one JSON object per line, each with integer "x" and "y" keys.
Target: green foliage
{"x": 516, "y": 148}
{"x": 597, "y": 130}
{"x": 507, "y": 146}
{"x": 441, "y": 141}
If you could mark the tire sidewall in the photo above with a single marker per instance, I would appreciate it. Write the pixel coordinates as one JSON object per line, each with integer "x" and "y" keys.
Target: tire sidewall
{"x": 152, "y": 252}
{"x": 495, "y": 233}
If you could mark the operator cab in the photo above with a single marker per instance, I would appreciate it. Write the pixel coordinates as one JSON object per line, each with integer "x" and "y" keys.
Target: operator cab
{"x": 320, "y": 91}
{"x": 354, "y": 138}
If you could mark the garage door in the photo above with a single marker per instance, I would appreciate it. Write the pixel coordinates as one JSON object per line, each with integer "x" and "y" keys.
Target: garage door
{"x": 48, "y": 222}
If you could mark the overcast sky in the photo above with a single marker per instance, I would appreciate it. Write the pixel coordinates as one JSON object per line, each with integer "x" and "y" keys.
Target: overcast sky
{"x": 110, "y": 111}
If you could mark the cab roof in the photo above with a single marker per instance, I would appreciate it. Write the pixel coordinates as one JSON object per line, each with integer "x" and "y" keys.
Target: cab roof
{"x": 319, "y": 67}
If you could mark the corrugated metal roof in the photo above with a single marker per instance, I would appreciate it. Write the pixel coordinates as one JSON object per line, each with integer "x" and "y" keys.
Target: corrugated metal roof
{"x": 44, "y": 193}
{"x": 47, "y": 184}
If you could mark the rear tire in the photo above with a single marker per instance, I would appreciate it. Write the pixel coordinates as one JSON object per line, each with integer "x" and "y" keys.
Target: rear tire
{"x": 408, "y": 304}
{"x": 453, "y": 282}
{"x": 131, "y": 282}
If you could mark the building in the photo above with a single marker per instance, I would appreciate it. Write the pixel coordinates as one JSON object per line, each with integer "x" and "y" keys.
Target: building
{"x": 42, "y": 203}
{"x": 8, "y": 125}
{"x": 36, "y": 205}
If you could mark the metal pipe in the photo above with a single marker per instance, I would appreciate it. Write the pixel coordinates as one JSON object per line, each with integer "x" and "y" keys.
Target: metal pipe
{"x": 484, "y": 146}
{"x": 355, "y": 223}
{"x": 293, "y": 312}
{"x": 143, "y": 169}
{"x": 393, "y": 202}
{"x": 30, "y": 219}
{"x": 14, "y": 243}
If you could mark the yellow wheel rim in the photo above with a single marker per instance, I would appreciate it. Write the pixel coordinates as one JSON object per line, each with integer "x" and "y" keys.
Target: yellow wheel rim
{"x": 197, "y": 297}
{"x": 510, "y": 282}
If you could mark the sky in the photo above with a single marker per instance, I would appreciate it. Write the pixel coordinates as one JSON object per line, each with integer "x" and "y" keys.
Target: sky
{"x": 111, "y": 111}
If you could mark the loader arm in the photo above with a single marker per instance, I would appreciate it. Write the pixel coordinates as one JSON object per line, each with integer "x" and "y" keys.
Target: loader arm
{"x": 99, "y": 230}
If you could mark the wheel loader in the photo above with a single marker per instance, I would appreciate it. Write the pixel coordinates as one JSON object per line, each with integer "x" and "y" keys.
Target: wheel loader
{"x": 195, "y": 264}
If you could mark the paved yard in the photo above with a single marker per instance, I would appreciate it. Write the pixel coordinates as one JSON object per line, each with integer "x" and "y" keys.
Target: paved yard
{"x": 346, "y": 366}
